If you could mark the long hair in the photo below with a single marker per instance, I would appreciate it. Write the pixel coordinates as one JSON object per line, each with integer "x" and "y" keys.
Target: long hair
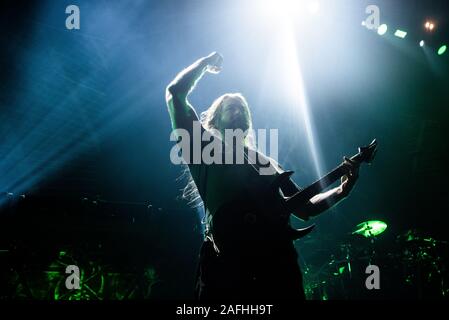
{"x": 209, "y": 120}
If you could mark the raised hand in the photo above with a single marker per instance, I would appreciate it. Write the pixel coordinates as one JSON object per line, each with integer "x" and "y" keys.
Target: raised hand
{"x": 214, "y": 62}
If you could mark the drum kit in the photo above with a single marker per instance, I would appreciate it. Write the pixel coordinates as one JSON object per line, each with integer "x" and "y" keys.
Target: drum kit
{"x": 414, "y": 265}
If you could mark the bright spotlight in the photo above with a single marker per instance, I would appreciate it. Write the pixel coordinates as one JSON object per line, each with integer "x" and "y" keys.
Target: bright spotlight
{"x": 314, "y": 7}
{"x": 442, "y": 50}
{"x": 280, "y": 9}
{"x": 422, "y": 43}
{"x": 383, "y": 28}
{"x": 429, "y": 25}
{"x": 400, "y": 34}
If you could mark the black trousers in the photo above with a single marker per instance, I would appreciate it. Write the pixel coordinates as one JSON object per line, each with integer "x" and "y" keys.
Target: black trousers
{"x": 268, "y": 272}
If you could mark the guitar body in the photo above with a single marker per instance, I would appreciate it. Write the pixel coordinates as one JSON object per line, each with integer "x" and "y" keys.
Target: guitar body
{"x": 240, "y": 226}
{"x": 255, "y": 221}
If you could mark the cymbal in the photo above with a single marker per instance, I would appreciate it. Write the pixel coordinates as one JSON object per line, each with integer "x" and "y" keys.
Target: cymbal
{"x": 371, "y": 228}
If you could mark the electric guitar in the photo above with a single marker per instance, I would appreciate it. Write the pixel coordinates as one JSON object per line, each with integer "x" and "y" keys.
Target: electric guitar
{"x": 267, "y": 214}
{"x": 366, "y": 154}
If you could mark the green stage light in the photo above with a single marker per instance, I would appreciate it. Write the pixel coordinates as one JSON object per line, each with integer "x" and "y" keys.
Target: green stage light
{"x": 341, "y": 270}
{"x": 383, "y": 28}
{"x": 400, "y": 34}
{"x": 442, "y": 50}
{"x": 422, "y": 43}
{"x": 370, "y": 228}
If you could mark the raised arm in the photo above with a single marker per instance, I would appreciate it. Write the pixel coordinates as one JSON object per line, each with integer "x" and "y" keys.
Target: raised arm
{"x": 181, "y": 112}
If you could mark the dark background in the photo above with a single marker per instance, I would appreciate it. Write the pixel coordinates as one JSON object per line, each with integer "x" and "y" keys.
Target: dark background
{"x": 83, "y": 116}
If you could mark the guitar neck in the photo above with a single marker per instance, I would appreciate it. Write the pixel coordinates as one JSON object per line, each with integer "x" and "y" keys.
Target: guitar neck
{"x": 317, "y": 187}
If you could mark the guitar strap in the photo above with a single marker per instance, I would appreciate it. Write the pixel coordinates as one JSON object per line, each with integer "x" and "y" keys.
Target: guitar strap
{"x": 208, "y": 236}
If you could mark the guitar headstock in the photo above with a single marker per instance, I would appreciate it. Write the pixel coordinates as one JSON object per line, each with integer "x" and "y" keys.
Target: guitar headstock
{"x": 367, "y": 153}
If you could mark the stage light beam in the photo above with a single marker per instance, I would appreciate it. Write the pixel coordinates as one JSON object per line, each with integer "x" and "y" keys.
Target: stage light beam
{"x": 279, "y": 10}
{"x": 383, "y": 28}
{"x": 400, "y": 34}
{"x": 283, "y": 16}
{"x": 314, "y": 7}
